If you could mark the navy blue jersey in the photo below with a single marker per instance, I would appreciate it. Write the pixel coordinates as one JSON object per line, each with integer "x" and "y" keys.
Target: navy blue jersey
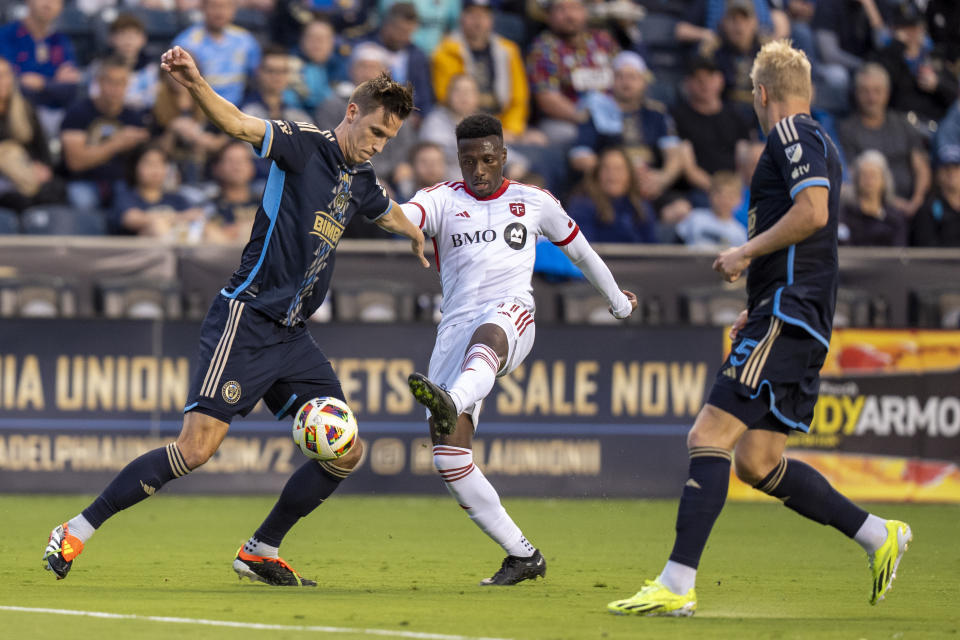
{"x": 798, "y": 283}
{"x": 310, "y": 196}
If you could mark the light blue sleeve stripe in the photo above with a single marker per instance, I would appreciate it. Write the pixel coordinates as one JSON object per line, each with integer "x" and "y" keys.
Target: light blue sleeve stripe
{"x": 809, "y": 182}
{"x": 791, "y": 253}
{"x": 390, "y": 204}
{"x": 267, "y": 143}
{"x": 190, "y": 406}
{"x": 272, "y": 193}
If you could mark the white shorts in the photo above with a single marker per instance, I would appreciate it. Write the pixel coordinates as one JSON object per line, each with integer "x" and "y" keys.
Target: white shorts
{"x": 512, "y": 316}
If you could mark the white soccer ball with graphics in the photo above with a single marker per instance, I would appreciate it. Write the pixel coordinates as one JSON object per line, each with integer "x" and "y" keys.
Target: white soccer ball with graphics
{"x": 325, "y": 428}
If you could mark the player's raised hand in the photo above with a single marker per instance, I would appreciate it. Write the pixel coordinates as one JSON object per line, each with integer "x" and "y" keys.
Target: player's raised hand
{"x": 633, "y": 306}
{"x": 738, "y": 325}
{"x": 180, "y": 64}
{"x": 731, "y": 264}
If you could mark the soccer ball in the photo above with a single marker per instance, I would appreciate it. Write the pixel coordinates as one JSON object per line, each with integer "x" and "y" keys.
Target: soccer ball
{"x": 325, "y": 428}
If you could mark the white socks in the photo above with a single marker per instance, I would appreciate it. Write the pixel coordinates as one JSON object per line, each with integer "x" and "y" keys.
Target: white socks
{"x": 81, "y": 528}
{"x": 678, "y": 578}
{"x": 479, "y": 499}
{"x": 872, "y": 533}
{"x": 477, "y": 375}
{"x": 258, "y": 548}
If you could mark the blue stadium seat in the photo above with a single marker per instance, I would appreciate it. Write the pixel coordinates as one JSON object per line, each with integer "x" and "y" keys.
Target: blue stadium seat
{"x": 9, "y": 221}
{"x": 63, "y": 220}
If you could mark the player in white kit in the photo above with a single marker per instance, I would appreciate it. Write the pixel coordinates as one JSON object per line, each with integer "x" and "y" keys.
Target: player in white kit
{"x": 484, "y": 231}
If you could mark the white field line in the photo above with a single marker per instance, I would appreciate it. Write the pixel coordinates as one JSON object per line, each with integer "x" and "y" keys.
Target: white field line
{"x": 246, "y": 625}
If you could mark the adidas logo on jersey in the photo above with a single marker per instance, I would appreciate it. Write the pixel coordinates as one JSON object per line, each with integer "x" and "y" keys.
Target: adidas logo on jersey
{"x": 462, "y": 214}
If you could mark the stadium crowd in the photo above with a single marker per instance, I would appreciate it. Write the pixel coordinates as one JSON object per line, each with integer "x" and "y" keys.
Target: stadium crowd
{"x": 637, "y": 113}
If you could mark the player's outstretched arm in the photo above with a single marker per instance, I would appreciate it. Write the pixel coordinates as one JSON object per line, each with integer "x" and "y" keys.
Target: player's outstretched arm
{"x": 622, "y": 303}
{"x": 180, "y": 64}
{"x": 808, "y": 214}
{"x": 395, "y": 221}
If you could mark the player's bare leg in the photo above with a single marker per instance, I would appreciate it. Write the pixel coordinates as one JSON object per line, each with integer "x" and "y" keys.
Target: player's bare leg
{"x": 199, "y": 438}
{"x": 453, "y": 457}
{"x": 259, "y": 557}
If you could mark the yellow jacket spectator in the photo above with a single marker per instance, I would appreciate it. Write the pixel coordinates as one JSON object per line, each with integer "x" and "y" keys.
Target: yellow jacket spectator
{"x": 495, "y": 62}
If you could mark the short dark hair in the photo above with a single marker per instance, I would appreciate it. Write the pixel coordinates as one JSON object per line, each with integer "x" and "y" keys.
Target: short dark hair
{"x": 401, "y": 11}
{"x": 138, "y": 153}
{"x": 479, "y": 125}
{"x": 382, "y": 91}
{"x": 273, "y": 49}
{"x": 112, "y": 61}
{"x": 127, "y": 21}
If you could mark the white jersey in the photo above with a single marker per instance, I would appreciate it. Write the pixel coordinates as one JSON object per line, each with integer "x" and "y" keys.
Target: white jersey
{"x": 485, "y": 247}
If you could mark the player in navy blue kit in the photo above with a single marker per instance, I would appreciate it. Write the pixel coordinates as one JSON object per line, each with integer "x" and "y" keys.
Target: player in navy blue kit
{"x": 253, "y": 342}
{"x": 768, "y": 385}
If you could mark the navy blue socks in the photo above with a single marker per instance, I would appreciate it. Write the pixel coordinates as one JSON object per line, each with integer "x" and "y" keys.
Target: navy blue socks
{"x": 701, "y": 502}
{"x": 138, "y": 480}
{"x": 306, "y": 489}
{"x": 803, "y": 489}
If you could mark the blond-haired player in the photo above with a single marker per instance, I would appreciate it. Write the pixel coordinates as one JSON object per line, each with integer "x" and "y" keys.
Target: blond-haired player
{"x": 768, "y": 385}
{"x": 484, "y": 230}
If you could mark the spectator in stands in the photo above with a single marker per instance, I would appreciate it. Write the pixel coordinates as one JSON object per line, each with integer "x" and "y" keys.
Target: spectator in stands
{"x": 183, "y": 130}
{"x": 710, "y": 124}
{"x": 868, "y": 217}
{"x": 43, "y": 58}
{"x": 564, "y": 64}
{"x": 434, "y": 19}
{"x": 428, "y": 167}
{"x": 937, "y": 223}
{"x": 408, "y": 63}
{"x": 227, "y": 53}
{"x": 438, "y": 127}
{"x": 629, "y": 120}
{"x": 367, "y": 61}
{"x": 128, "y": 37}
{"x": 146, "y": 207}
{"x": 739, "y": 44}
{"x": 351, "y": 19}
{"x": 873, "y": 126}
{"x": 847, "y": 32}
{"x": 943, "y": 22}
{"x": 319, "y": 65}
{"x": 921, "y": 83}
{"x": 267, "y": 99}
{"x": 612, "y": 207}
{"x": 772, "y": 22}
{"x": 235, "y": 203}
{"x": 948, "y": 131}
{"x": 494, "y": 62}
{"x": 715, "y": 226}
{"x": 97, "y": 135}
{"x": 746, "y": 157}
{"x": 26, "y": 171}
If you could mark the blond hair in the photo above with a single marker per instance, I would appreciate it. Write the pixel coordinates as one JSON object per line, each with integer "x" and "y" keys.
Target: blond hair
{"x": 782, "y": 70}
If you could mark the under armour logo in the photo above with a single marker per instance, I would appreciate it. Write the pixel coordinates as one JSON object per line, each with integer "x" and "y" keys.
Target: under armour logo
{"x": 147, "y": 489}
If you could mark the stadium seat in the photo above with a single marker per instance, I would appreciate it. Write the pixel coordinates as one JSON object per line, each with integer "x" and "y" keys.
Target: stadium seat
{"x": 162, "y": 26}
{"x": 9, "y": 221}
{"x": 37, "y": 297}
{"x": 254, "y": 21}
{"x": 140, "y": 299}
{"x": 62, "y": 220}
{"x": 373, "y": 301}
{"x": 859, "y": 308}
{"x": 580, "y": 303}
{"x": 712, "y": 306}
{"x": 935, "y": 307}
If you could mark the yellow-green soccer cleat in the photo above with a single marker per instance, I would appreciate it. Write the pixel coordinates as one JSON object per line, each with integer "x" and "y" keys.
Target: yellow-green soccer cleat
{"x": 656, "y": 600}
{"x": 886, "y": 559}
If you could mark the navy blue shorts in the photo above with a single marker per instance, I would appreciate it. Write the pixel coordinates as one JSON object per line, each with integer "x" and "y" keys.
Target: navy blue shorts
{"x": 771, "y": 378}
{"x": 246, "y": 356}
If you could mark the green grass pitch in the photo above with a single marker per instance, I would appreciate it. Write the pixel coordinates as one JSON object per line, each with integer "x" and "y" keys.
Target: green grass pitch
{"x": 410, "y": 566}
